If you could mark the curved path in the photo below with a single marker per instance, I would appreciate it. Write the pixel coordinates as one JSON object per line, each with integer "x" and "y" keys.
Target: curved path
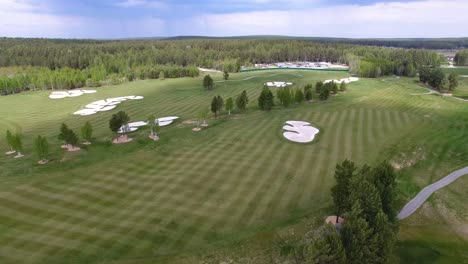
{"x": 422, "y": 196}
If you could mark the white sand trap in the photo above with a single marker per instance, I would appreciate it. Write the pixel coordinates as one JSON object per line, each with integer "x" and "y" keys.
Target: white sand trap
{"x": 299, "y": 131}
{"x": 278, "y": 84}
{"x": 132, "y": 127}
{"x": 71, "y": 93}
{"x": 165, "y": 121}
{"x": 128, "y": 130}
{"x": 104, "y": 105}
{"x": 345, "y": 80}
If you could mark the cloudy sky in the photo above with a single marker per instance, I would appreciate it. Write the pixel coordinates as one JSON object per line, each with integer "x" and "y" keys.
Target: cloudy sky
{"x": 150, "y": 18}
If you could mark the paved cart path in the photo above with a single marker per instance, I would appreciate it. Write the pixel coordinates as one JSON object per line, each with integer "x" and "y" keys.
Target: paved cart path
{"x": 422, "y": 196}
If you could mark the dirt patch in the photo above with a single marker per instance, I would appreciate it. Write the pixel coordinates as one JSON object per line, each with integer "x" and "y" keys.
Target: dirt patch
{"x": 10, "y": 152}
{"x": 196, "y": 129}
{"x": 43, "y": 162}
{"x": 154, "y": 137}
{"x": 405, "y": 160}
{"x": 190, "y": 122}
{"x": 19, "y": 155}
{"x": 86, "y": 143}
{"x": 122, "y": 139}
{"x": 71, "y": 148}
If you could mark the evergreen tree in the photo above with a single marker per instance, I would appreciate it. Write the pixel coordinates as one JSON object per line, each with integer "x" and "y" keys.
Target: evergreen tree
{"x": 341, "y": 192}
{"x": 87, "y": 131}
{"x": 384, "y": 237}
{"x": 242, "y": 100}
{"x": 384, "y": 179}
{"x": 318, "y": 87}
{"x": 18, "y": 144}
{"x": 118, "y": 120}
{"x": 10, "y": 139}
{"x": 208, "y": 82}
{"x": 220, "y": 103}
{"x": 162, "y": 75}
{"x": 368, "y": 196}
{"x": 343, "y": 87}
{"x": 71, "y": 138}
{"x": 229, "y": 105}
{"x": 266, "y": 99}
{"x": 326, "y": 248}
{"x": 333, "y": 87}
{"x": 299, "y": 96}
{"x": 214, "y": 106}
{"x": 324, "y": 92}
{"x": 225, "y": 75}
{"x": 308, "y": 92}
{"x": 41, "y": 146}
{"x": 63, "y": 132}
{"x": 285, "y": 96}
{"x": 357, "y": 238}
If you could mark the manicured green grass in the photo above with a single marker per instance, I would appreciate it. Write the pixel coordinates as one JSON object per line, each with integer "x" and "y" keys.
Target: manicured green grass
{"x": 189, "y": 192}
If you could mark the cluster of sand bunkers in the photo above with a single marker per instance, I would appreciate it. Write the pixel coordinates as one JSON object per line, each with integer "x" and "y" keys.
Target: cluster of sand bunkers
{"x": 299, "y": 131}
{"x": 278, "y": 84}
{"x": 71, "y": 93}
{"x": 296, "y": 131}
{"x": 104, "y": 105}
{"x": 131, "y": 127}
{"x": 345, "y": 80}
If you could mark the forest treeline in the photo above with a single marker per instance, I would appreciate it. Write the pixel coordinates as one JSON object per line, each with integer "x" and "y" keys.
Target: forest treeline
{"x": 69, "y": 64}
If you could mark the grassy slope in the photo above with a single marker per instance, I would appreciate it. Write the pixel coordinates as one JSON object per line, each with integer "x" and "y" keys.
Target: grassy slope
{"x": 146, "y": 201}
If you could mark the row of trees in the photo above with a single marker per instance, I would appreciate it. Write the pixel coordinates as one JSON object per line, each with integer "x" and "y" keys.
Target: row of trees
{"x": 437, "y": 79}
{"x": 365, "y": 197}
{"x": 40, "y": 78}
{"x": 217, "y": 103}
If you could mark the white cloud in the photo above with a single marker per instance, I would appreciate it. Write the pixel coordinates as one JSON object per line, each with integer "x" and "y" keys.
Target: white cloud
{"x": 142, "y": 3}
{"x": 430, "y": 18}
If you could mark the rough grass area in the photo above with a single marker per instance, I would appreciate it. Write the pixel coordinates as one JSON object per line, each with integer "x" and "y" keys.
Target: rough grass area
{"x": 191, "y": 193}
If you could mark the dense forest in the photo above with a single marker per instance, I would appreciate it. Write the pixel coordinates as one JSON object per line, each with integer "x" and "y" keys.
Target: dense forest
{"x": 68, "y": 64}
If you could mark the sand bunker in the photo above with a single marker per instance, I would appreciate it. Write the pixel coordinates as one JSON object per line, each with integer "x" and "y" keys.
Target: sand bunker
{"x": 104, "y": 105}
{"x": 299, "y": 131}
{"x": 72, "y": 93}
{"x": 278, "y": 84}
{"x": 345, "y": 80}
{"x": 131, "y": 127}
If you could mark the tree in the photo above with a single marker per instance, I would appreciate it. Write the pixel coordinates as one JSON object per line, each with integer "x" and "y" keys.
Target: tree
{"x": 242, "y": 100}
{"x": 308, "y": 92}
{"x": 266, "y": 99}
{"x": 10, "y": 139}
{"x": 326, "y": 248}
{"x": 217, "y": 104}
{"x": 452, "y": 81}
{"x": 364, "y": 192}
{"x": 333, "y": 87}
{"x": 225, "y": 75}
{"x": 153, "y": 123}
{"x": 324, "y": 92}
{"x": 208, "y": 82}
{"x": 118, "y": 120}
{"x": 161, "y": 75}
{"x": 285, "y": 96}
{"x": 384, "y": 179}
{"x": 318, "y": 87}
{"x": 229, "y": 105}
{"x": 71, "y": 138}
{"x": 41, "y": 147}
{"x": 87, "y": 132}
{"x": 341, "y": 192}
{"x": 385, "y": 238}
{"x": 299, "y": 96}
{"x": 18, "y": 144}
{"x": 357, "y": 238}
{"x": 342, "y": 87}
{"x": 63, "y": 132}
